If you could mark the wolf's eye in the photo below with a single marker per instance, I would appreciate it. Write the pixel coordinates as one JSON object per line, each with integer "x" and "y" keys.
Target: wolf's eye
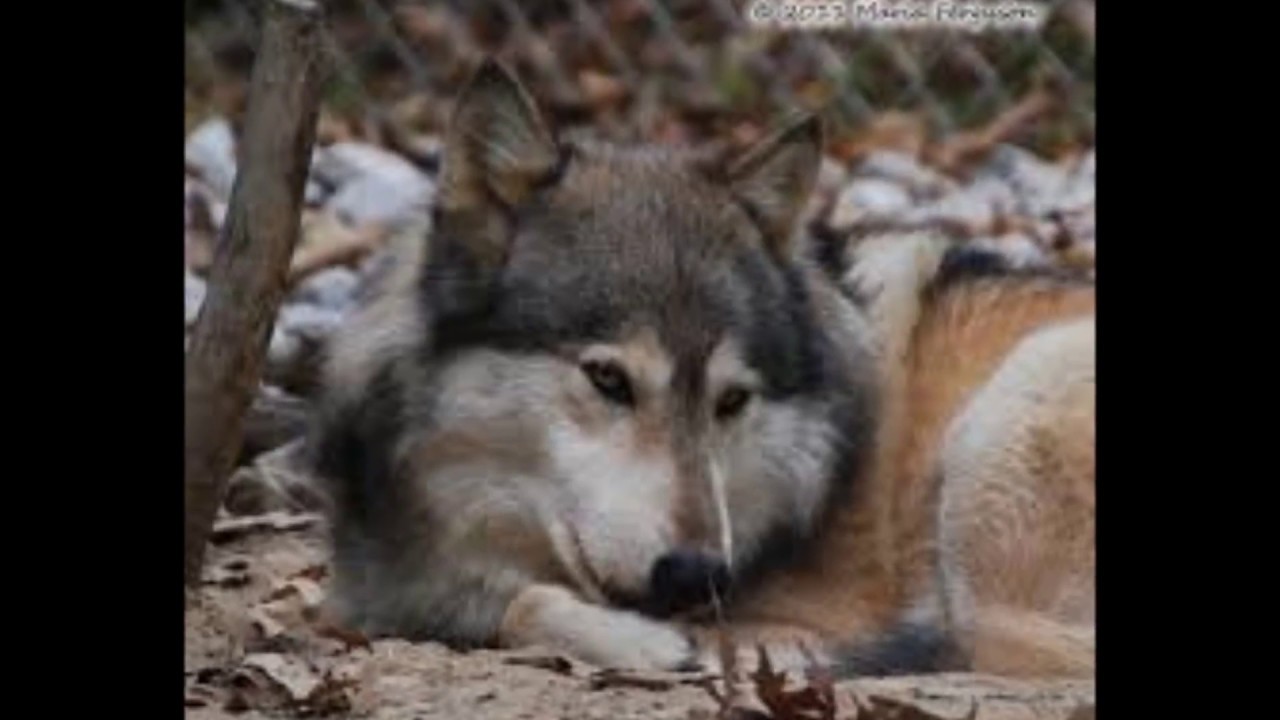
{"x": 732, "y": 402}
{"x": 610, "y": 380}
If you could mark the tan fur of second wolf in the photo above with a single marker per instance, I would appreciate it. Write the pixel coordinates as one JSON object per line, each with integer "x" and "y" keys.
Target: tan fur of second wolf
{"x": 978, "y": 513}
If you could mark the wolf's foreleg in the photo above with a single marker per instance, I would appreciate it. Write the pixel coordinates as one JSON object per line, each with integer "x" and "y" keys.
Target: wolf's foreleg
{"x": 556, "y": 617}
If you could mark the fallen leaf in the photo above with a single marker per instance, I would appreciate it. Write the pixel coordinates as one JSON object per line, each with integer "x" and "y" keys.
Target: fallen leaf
{"x": 612, "y": 677}
{"x": 272, "y": 681}
{"x": 306, "y": 589}
{"x": 232, "y": 573}
{"x": 276, "y": 617}
{"x": 318, "y": 571}
{"x": 200, "y": 695}
{"x": 251, "y": 688}
{"x": 554, "y": 663}
{"x": 268, "y": 627}
{"x": 333, "y": 696}
{"x": 885, "y": 708}
{"x": 348, "y": 637}
{"x": 290, "y": 673}
{"x": 814, "y": 701}
{"x": 769, "y": 684}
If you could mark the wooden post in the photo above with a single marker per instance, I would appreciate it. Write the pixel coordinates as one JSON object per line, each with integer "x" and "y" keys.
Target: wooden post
{"x": 251, "y": 263}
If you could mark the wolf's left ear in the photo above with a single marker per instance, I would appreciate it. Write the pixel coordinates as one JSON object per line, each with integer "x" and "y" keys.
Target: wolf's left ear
{"x": 496, "y": 143}
{"x": 774, "y": 179}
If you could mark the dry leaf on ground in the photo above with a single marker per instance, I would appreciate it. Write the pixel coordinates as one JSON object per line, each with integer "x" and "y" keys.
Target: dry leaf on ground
{"x": 555, "y": 663}
{"x": 230, "y": 573}
{"x": 655, "y": 681}
{"x": 814, "y": 701}
{"x": 272, "y": 682}
{"x": 350, "y": 639}
{"x": 886, "y": 708}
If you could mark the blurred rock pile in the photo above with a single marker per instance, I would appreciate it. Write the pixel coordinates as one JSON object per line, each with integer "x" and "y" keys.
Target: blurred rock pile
{"x": 357, "y": 195}
{"x": 1036, "y": 213}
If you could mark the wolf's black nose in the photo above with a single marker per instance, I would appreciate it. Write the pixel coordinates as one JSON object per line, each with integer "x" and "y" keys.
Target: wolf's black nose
{"x": 684, "y": 579}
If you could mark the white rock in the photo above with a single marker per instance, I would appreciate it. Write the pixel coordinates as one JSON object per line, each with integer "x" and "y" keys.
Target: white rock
{"x": 332, "y": 288}
{"x": 200, "y": 198}
{"x": 1020, "y": 250}
{"x": 314, "y": 193}
{"x": 194, "y": 297}
{"x": 1083, "y": 226}
{"x": 1088, "y": 167}
{"x": 975, "y": 204}
{"x": 1081, "y": 188}
{"x": 211, "y": 150}
{"x": 1037, "y": 185}
{"x": 868, "y": 199}
{"x": 372, "y": 184}
{"x": 903, "y": 169}
{"x": 310, "y": 322}
{"x": 344, "y": 162}
{"x": 995, "y": 192}
{"x": 283, "y": 348}
{"x": 376, "y": 199}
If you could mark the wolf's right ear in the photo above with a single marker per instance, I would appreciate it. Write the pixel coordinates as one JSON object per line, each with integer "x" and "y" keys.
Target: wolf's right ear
{"x": 774, "y": 179}
{"x": 497, "y": 146}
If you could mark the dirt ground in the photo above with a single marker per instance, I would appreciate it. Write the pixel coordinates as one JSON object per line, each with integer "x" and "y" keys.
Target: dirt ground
{"x": 258, "y": 646}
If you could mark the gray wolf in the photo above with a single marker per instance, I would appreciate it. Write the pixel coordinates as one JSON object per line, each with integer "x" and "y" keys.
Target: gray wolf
{"x": 610, "y": 389}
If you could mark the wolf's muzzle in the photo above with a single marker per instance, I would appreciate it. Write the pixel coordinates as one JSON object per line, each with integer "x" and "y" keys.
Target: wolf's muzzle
{"x": 685, "y": 579}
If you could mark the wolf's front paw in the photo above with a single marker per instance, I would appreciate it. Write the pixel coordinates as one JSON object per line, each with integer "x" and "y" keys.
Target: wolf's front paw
{"x": 553, "y": 616}
{"x": 636, "y": 643}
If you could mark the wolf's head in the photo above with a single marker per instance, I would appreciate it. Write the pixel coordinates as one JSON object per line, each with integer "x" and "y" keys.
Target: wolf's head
{"x": 624, "y": 343}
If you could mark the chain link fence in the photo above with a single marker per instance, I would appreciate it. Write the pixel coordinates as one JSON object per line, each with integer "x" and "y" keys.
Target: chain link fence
{"x": 670, "y": 69}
